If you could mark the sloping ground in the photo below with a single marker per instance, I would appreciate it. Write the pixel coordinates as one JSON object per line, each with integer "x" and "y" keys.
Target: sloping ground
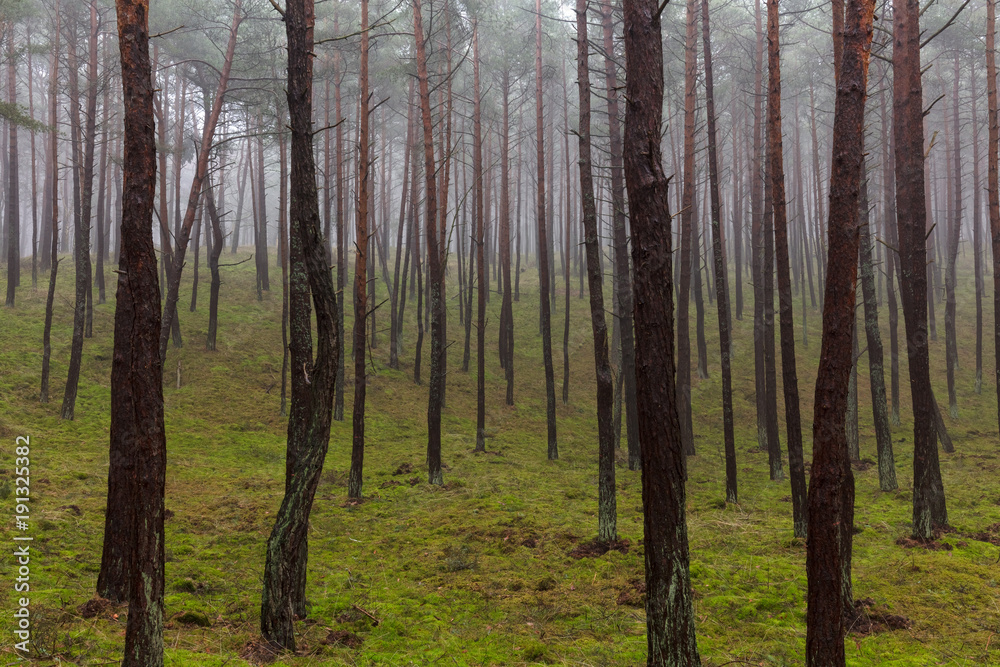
{"x": 485, "y": 570}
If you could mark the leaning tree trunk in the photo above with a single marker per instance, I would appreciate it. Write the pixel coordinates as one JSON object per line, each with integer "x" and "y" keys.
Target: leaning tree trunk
{"x": 831, "y": 487}
{"x": 133, "y": 526}
{"x": 607, "y": 509}
{"x": 670, "y": 632}
{"x": 309, "y": 423}
{"x": 929, "y": 509}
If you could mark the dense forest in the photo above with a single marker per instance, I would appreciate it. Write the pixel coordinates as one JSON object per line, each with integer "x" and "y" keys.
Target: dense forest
{"x": 529, "y": 333}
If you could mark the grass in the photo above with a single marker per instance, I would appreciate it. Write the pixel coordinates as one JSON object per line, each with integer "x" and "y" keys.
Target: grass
{"x": 476, "y": 572}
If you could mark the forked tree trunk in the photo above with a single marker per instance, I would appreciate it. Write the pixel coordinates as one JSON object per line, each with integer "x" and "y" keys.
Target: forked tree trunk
{"x": 201, "y": 169}
{"x": 670, "y": 631}
{"x": 831, "y": 488}
{"x": 309, "y": 423}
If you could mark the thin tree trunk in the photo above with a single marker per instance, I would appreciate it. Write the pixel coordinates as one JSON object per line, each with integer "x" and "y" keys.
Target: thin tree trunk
{"x": 789, "y": 378}
{"x": 53, "y": 192}
{"x": 477, "y": 177}
{"x": 607, "y": 507}
{"x": 687, "y": 224}
{"x": 361, "y": 246}
{"x": 543, "y": 247}
{"x": 721, "y": 280}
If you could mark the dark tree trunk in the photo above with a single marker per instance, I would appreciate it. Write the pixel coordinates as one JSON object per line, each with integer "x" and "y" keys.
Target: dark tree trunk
{"x": 789, "y": 378}
{"x": 132, "y": 564}
{"x": 977, "y": 242}
{"x": 395, "y": 318}
{"x": 53, "y": 194}
{"x": 892, "y": 260}
{"x": 687, "y": 223}
{"x": 543, "y": 248}
{"x": 831, "y": 488}
{"x": 954, "y": 236}
{"x": 721, "y": 280}
{"x": 477, "y": 177}
{"x": 607, "y": 508}
{"x": 361, "y": 247}
{"x": 929, "y": 508}
{"x": 11, "y": 205}
{"x": 338, "y": 402}
{"x": 506, "y": 306}
{"x": 201, "y": 170}
{"x": 81, "y": 218}
{"x": 213, "y": 267}
{"x": 670, "y": 632}
{"x": 313, "y": 380}
{"x": 435, "y": 272}
{"x": 876, "y": 373}
{"x": 623, "y": 274}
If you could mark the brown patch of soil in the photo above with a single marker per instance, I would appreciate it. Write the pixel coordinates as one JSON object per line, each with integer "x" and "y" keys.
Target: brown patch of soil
{"x": 989, "y": 534}
{"x": 95, "y": 607}
{"x": 259, "y": 652}
{"x": 930, "y": 545}
{"x": 343, "y": 638}
{"x": 403, "y": 469}
{"x": 870, "y": 619}
{"x": 389, "y": 484}
{"x": 413, "y": 481}
{"x": 862, "y": 465}
{"x": 633, "y": 595}
{"x": 596, "y": 548}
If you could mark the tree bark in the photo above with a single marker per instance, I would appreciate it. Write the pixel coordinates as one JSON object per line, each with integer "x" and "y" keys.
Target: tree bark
{"x": 929, "y": 509}
{"x": 831, "y": 488}
{"x": 313, "y": 387}
{"x": 607, "y": 508}
{"x": 670, "y": 631}
{"x": 721, "y": 279}
{"x": 133, "y": 530}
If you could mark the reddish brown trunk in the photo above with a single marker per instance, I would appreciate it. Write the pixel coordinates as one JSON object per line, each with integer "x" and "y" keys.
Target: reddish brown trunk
{"x": 831, "y": 488}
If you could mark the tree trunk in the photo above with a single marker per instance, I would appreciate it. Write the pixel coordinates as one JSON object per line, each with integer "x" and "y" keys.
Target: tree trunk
{"x": 789, "y": 378}
{"x": 876, "y": 373}
{"x": 132, "y": 564}
{"x": 831, "y": 487}
{"x": 623, "y": 274}
{"x": 543, "y": 247}
{"x": 687, "y": 223}
{"x": 670, "y": 631}
{"x": 360, "y": 272}
{"x": 721, "y": 280}
{"x": 53, "y": 193}
{"x": 312, "y": 380}
{"x": 477, "y": 177}
{"x": 607, "y": 508}
{"x": 954, "y": 236}
{"x": 435, "y": 273}
{"x": 201, "y": 169}
{"x": 929, "y": 509}
{"x": 11, "y": 205}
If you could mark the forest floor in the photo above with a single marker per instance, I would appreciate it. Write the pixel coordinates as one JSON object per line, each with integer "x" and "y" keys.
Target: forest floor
{"x": 483, "y": 570}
